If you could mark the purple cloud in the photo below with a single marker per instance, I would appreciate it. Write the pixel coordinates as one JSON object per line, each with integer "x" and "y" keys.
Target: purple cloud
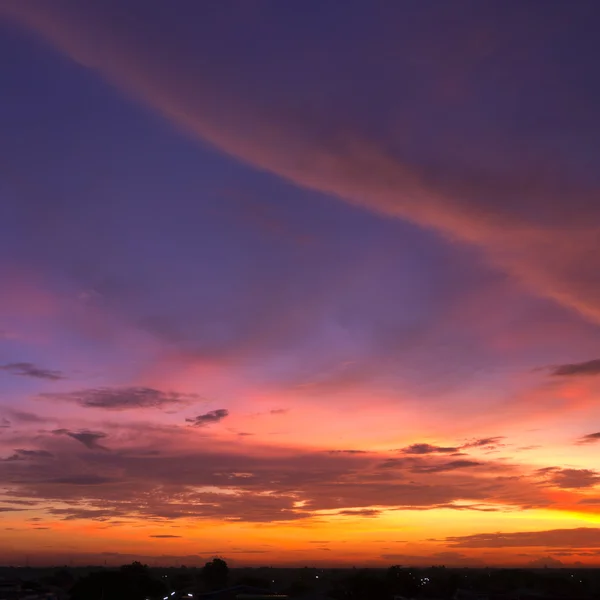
{"x": 213, "y": 416}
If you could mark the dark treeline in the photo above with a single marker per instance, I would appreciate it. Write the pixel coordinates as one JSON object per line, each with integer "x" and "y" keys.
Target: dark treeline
{"x": 140, "y": 582}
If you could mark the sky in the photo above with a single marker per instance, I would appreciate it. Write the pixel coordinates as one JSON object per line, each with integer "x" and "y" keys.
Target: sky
{"x": 300, "y": 283}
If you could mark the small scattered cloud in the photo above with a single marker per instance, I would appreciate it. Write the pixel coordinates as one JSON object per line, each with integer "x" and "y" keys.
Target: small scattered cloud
{"x": 22, "y": 416}
{"x": 590, "y": 367}
{"x": 4, "y": 423}
{"x": 279, "y": 411}
{"x": 213, "y": 416}
{"x": 347, "y": 452}
{"x": 27, "y": 369}
{"x": 447, "y": 466}
{"x": 590, "y": 438}
{"x": 165, "y": 536}
{"x": 89, "y": 439}
{"x": 359, "y": 512}
{"x": 428, "y": 449}
{"x": 21, "y": 454}
{"x": 483, "y": 442}
{"x": 425, "y": 448}
{"x": 570, "y": 478}
{"x": 123, "y": 398}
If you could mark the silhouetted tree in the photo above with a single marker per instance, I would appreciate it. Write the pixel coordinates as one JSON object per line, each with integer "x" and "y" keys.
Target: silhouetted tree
{"x": 215, "y": 573}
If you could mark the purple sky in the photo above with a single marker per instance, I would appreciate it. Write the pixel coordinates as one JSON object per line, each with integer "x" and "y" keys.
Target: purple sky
{"x": 269, "y": 230}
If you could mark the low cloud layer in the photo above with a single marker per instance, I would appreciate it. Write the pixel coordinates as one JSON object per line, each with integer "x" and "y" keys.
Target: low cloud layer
{"x": 581, "y": 537}
{"x": 263, "y": 486}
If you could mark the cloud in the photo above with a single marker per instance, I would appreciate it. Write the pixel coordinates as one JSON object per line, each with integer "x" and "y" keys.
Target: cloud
{"x": 165, "y": 536}
{"x": 591, "y": 367}
{"x": 26, "y": 369}
{"x": 82, "y": 480}
{"x": 428, "y": 449}
{"x": 531, "y": 213}
{"x": 447, "y": 466}
{"x": 4, "y": 423}
{"x": 590, "y": 438}
{"x": 582, "y": 537}
{"x": 89, "y": 439}
{"x": 229, "y": 483}
{"x": 447, "y": 558}
{"x": 571, "y": 478}
{"x": 347, "y": 452}
{"x": 21, "y": 454}
{"x": 125, "y": 398}
{"x": 21, "y": 416}
{"x": 359, "y": 512}
{"x": 213, "y": 416}
{"x": 482, "y": 442}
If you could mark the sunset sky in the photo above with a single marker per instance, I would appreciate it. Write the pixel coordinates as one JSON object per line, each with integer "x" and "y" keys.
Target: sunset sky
{"x": 300, "y": 282}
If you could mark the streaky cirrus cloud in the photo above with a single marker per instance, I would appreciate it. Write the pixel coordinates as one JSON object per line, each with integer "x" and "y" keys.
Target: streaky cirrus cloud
{"x": 590, "y": 438}
{"x": 124, "y": 398}
{"x": 590, "y": 367}
{"x": 522, "y": 213}
{"x": 213, "y": 416}
{"x": 580, "y": 537}
{"x": 429, "y": 449}
{"x": 359, "y": 512}
{"x": 27, "y": 369}
{"x": 23, "y": 416}
{"x": 23, "y": 454}
{"x": 452, "y": 465}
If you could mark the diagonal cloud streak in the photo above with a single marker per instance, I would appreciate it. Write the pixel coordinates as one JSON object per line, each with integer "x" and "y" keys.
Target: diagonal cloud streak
{"x": 556, "y": 258}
